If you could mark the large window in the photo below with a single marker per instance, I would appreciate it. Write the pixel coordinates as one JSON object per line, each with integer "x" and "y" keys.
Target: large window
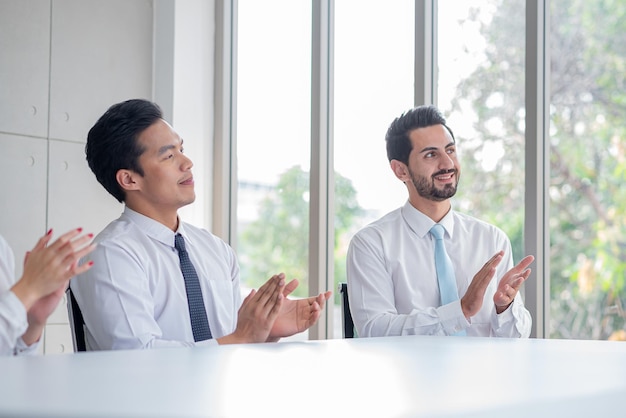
{"x": 273, "y": 140}
{"x": 588, "y": 169}
{"x": 373, "y": 85}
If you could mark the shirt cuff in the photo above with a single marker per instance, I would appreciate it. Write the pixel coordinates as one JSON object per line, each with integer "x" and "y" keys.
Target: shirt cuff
{"x": 207, "y": 343}
{"x": 21, "y": 349}
{"x": 501, "y": 319}
{"x": 452, "y": 318}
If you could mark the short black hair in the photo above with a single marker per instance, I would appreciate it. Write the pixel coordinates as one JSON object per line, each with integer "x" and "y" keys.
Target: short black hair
{"x": 397, "y": 138}
{"x": 112, "y": 142}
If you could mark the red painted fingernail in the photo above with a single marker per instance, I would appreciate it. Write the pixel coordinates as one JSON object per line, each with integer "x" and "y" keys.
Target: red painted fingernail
{"x": 49, "y": 231}
{"x": 79, "y": 229}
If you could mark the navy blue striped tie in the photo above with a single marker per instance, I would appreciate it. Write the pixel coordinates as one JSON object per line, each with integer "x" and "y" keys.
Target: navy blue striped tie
{"x": 197, "y": 312}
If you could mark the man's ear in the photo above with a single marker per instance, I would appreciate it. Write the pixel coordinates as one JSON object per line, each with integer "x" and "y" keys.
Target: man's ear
{"x": 400, "y": 170}
{"x": 127, "y": 179}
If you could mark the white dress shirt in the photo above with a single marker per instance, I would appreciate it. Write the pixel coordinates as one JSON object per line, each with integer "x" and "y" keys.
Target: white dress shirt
{"x": 392, "y": 281}
{"x": 13, "y": 322}
{"x": 134, "y": 295}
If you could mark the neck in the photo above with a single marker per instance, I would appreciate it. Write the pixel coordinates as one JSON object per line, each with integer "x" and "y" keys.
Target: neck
{"x": 167, "y": 217}
{"x": 434, "y": 210}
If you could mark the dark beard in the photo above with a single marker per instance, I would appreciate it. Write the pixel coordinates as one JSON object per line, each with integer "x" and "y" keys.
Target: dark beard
{"x": 426, "y": 188}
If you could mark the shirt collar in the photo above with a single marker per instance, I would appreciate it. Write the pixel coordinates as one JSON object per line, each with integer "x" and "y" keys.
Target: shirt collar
{"x": 154, "y": 229}
{"x": 421, "y": 224}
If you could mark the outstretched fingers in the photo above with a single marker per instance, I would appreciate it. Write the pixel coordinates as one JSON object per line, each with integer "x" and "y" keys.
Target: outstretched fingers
{"x": 520, "y": 272}
{"x": 270, "y": 295}
{"x": 61, "y": 258}
{"x": 48, "y": 267}
{"x": 511, "y": 282}
{"x": 65, "y": 238}
{"x": 523, "y": 265}
{"x": 486, "y": 273}
{"x": 43, "y": 241}
{"x": 472, "y": 301}
{"x": 258, "y": 312}
{"x": 322, "y": 298}
{"x": 71, "y": 247}
{"x": 72, "y": 259}
{"x": 77, "y": 268}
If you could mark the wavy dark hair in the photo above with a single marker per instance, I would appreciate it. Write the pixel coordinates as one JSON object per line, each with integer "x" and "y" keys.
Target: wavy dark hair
{"x": 397, "y": 138}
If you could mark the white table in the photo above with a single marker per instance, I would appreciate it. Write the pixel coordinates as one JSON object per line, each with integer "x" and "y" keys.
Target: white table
{"x": 376, "y": 377}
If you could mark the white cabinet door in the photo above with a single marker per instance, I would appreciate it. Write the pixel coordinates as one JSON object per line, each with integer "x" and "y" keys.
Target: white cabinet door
{"x": 23, "y": 189}
{"x": 58, "y": 339}
{"x": 76, "y": 199}
{"x": 101, "y": 54}
{"x": 24, "y": 66}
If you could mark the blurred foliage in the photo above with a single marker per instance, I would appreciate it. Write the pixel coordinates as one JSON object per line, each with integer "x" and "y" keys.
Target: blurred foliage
{"x": 587, "y": 153}
{"x": 279, "y": 239}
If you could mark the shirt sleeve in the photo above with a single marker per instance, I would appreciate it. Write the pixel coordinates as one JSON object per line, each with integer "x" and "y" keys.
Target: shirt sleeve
{"x": 515, "y": 322}
{"x": 13, "y": 321}
{"x": 13, "y": 324}
{"x": 372, "y": 304}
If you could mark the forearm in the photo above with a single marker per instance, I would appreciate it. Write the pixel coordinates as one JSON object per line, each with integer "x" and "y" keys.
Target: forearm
{"x": 377, "y": 310}
{"x": 445, "y": 320}
{"x": 25, "y": 293}
{"x": 33, "y": 333}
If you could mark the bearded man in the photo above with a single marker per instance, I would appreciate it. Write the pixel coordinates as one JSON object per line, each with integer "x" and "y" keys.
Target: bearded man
{"x": 406, "y": 278}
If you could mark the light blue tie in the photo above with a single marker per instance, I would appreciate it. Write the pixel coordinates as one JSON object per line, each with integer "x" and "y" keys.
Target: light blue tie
{"x": 445, "y": 271}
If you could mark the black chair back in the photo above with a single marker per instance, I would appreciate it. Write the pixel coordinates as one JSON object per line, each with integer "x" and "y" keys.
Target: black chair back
{"x": 77, "y": 323}
{"x": 346, "y": 317}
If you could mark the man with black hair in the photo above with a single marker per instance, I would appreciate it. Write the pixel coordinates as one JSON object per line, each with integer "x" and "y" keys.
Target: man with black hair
{"x": 140, "y": 292}
{"x": 397, "y": 284}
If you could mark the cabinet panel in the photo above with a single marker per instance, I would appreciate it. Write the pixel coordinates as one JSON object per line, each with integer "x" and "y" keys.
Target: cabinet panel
{"x": 24, "y": 66}
{"x": 58, "y": 339}
{"x": 101, "y": 54}
{"x": 23, "y": 190}
{"x": 76, "y": 199}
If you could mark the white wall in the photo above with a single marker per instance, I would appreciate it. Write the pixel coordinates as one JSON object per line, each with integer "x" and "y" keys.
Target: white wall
{"x": 62, "y": 64}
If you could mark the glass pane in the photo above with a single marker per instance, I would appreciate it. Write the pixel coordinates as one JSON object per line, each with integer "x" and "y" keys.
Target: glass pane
{"x": 374, "y": 50}
{"x": 481, "y": 93}
{"x": 588, "y": 169}
{"x": 273, "y": 141}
